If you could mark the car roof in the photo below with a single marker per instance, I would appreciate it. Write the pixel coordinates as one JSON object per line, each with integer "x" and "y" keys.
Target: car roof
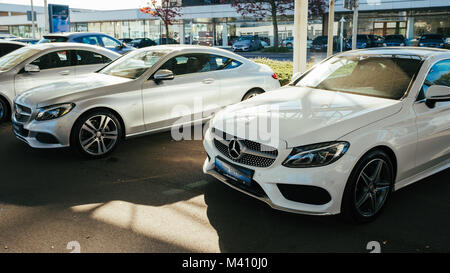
{"x": 196, "y": 49}
{"x": 69, "y": 45}
{"x": 411, "y": 51}
{"x": 12, "y": 42}
{"x": 70, "y": 34}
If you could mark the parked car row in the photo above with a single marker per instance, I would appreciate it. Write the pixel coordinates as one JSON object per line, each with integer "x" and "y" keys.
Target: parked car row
{"x": 342, "y": 137}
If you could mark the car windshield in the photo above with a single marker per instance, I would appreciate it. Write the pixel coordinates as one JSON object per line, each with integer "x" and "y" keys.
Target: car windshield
{"x": 16, "y": 57}
{"x": 381, "y": 76}
{"x": 134, "y": 64}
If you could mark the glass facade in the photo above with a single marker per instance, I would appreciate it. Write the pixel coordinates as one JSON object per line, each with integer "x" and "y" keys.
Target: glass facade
{"x": 223, "y": 31}
{"x": 410, "y": 23}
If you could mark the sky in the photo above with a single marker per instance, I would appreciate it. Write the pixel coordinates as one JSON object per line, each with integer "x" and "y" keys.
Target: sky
{"x": 86, "y": 4}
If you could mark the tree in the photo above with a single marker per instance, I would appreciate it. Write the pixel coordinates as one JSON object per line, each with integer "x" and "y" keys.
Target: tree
{"x": 166, "y": 10}
{"x": 259, "y": 9}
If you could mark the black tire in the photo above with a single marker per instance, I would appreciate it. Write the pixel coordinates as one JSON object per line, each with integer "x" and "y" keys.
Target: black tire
{"x": 4, "y": 110}
{"x": 104, "y": 134}
{"x": 252, "y": 93}
{"x": 289, "y": 45}
{"x": 353, "y": 208}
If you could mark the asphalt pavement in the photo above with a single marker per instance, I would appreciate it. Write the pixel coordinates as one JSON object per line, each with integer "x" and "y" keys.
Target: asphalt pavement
{"x": 151, "y": 196}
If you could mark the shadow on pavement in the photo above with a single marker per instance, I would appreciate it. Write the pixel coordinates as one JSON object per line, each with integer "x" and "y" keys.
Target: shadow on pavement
{"x": 416, "y": 220}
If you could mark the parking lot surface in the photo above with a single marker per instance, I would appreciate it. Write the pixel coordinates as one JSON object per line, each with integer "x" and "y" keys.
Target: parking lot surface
{"x": 151, "y": 196}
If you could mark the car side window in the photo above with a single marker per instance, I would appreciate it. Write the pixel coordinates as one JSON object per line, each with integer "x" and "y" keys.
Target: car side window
{"x": 222, "y": 63}
{"x": 55, "y": 59}
{"x": 109, "y": 43}
{"x": 188, "y": 64}
{"x": 439, "y": 74}
{"x": 90, "y": 40}
{"x": 84, "y": 57}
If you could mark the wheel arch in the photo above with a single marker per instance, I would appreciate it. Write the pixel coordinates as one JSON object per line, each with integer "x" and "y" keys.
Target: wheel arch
{"x": 103, "y": 108}
{"x": 252, "y": 90}
{"x": 390, "y": 152}
{"x": 8, "y": 105}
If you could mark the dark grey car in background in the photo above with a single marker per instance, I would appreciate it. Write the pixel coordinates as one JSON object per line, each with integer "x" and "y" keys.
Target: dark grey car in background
{"x": 99, "y": 39}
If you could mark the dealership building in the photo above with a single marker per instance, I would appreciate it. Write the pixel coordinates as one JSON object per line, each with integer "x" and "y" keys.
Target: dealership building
{"x": 209, "y": 22}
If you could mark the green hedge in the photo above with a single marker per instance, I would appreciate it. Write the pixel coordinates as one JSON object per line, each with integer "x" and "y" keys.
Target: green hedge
{"x": 276, "y": 49}
{"x": 283, "y": 69}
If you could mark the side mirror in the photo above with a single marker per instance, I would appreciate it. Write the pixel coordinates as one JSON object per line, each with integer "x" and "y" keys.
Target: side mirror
{"x": 31, "y": 68}
{"x": 436, "y": 93}
{"x": 163, "y": 75}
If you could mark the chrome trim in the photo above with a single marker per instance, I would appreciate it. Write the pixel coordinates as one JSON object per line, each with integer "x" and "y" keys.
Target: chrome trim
{"x": 245, "y": 149}
{"x": 224, "y": 180}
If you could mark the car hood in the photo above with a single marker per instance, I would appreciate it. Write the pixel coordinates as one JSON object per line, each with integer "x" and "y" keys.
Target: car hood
{"x": 242, "y": 43}
{"x": 300, "y": 116}
{"x": 67, "y": 91}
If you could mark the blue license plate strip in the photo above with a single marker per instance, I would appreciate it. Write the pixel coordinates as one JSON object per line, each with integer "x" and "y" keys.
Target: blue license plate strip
{"x": 234, "y": 172}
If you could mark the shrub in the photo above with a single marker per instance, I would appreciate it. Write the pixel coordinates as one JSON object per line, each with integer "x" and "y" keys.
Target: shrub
{"x": 283, "y": 69}
{"x": 276, "y": 49}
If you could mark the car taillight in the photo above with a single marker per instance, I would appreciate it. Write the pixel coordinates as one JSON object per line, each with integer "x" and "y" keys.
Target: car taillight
{"x": 275, "y": 76}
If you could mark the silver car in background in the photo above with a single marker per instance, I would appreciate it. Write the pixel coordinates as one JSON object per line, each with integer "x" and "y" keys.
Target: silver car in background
{"x": 35, "y": 65}
{"x": 148, "y": 90}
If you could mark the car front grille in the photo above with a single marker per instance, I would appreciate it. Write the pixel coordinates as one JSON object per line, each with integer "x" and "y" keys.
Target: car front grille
{"x": 252, "y": 153}
{"x": 22, "y": 113}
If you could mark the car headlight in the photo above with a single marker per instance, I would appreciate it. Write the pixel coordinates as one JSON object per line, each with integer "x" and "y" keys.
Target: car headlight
{"x": 54, "y": 111}
{"x": 316, "y": 155}
{"x": 420, "y": 44}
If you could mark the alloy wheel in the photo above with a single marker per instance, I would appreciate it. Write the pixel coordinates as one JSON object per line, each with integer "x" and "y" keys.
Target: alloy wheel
{"x": 98, "y": 135}
{"x": 372, "y": 187}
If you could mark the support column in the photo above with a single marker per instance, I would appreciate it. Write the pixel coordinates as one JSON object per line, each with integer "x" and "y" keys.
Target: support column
{"x": 410, "y": 28}
{"x": 330, "y": 28}
{"x": 300, "y": 35}
{"x": 182, "y": 36}
{"x": 224, "y": 34}
{"x": 355, "y": 24}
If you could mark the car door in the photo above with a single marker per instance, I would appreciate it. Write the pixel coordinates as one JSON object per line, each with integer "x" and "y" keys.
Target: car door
{"x": 192, "y": 95}
{"x": 433, "y": 124}
{"x": 54, "y": 66}
{"x": 88, "y": 61}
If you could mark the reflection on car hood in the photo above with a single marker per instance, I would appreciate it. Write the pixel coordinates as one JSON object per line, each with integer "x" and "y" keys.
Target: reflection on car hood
{"x": 300, "y": 116}
{"x": 70, "y": 89}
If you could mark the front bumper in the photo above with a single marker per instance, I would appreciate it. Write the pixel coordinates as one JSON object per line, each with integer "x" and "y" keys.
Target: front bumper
{"x": 331, "y": 178}
{"x": 45, "y": 134}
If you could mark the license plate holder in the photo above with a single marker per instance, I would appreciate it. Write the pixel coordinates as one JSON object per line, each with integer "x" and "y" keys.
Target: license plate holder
{"x": 234, "y": 172}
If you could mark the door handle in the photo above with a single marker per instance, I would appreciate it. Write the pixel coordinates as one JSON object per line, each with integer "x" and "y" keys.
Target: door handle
{"x": 208, "y": 81}
{"x": 65, "y": 72}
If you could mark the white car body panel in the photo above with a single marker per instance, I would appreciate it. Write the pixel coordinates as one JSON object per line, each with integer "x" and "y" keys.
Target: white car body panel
{"x": 418, "y": 136}
{"x": 143, "y": 105}
{"x": 14, "y": 83}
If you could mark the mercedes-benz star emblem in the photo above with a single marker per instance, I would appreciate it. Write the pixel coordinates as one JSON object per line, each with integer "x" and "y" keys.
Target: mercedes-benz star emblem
{"x": 234, "y": 149}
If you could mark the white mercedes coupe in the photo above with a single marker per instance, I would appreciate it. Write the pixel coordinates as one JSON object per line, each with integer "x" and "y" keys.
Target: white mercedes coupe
{"x": 146, "y": 91}
{"x": 342, "y": 136}
{"x": 35, "y": 65}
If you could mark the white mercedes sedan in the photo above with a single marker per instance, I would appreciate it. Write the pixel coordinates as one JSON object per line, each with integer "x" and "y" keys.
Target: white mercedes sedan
{"x": 341, "y": 137}
{"x": 35, "y": 65}
{"x": 146, "y": 91}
